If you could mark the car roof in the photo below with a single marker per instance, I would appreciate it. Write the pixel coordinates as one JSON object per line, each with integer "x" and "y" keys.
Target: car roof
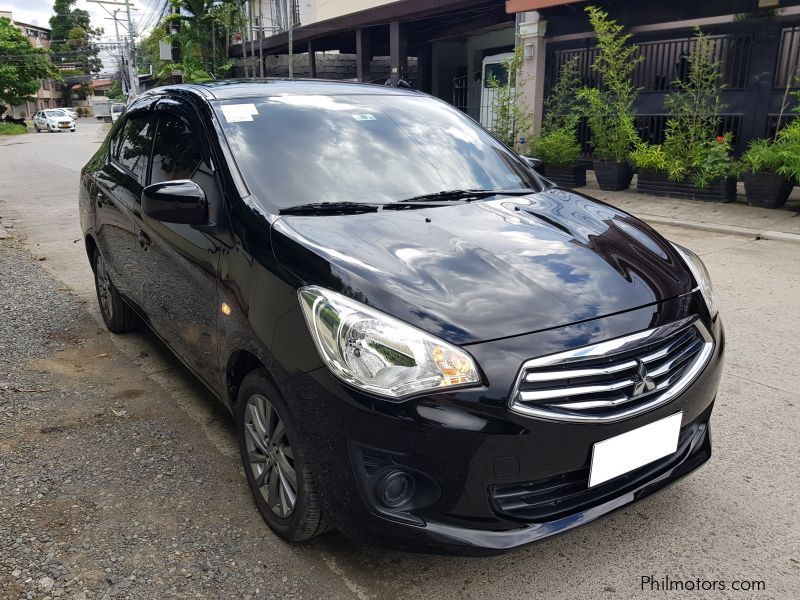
{"x": 232, "y": 89}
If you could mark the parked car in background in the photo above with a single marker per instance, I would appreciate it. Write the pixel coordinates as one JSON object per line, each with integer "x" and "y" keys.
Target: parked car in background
{"x": 53, "y": 120}
{"x": 116, "y": 110}
{"x": 73, "y": 114}
{"x": 424, "y": 343}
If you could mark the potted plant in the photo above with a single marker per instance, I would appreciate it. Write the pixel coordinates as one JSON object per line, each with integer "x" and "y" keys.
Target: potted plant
{"x": 693, "y": 162}
{"x": 557, "y": 146}
{"x": 764, "y": 183}
{"x": 609, "y": 108}
{"x": 560, "y": 152}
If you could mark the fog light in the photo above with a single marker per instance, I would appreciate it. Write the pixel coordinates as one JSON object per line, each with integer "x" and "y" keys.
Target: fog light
{"x": 394, "y": 488}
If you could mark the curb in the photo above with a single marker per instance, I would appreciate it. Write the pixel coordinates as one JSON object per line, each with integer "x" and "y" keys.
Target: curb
{"x": 757, "y": 234}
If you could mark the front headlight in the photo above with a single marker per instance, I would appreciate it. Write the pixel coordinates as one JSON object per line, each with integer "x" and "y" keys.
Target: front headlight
{"x": 700, "y": 275}
{"x": 378, "y": 353}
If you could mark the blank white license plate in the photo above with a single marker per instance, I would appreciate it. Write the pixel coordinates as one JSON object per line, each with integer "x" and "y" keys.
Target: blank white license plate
{"x": 634, "y": 449}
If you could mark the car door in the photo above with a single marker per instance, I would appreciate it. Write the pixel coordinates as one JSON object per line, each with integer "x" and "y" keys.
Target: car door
{"x": 179, "y": 284}
{"x": 118, "y": 187}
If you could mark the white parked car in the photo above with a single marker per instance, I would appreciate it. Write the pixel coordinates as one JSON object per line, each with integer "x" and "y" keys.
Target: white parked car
{"x": 71, "y": 113}
{"x": 116, "y": 110}
{"x": 53, "y": 119}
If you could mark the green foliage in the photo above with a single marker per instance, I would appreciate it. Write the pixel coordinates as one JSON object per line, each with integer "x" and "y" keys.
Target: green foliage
{"x": 696, "y": 104}
{"x": 205, "y": 34}
{"x": 609, "y": 108}
{"x": 72, "y": 36}
{"x": 21, "y": 65}
{"x": 691, "y": 150}
{"x": 115, "y": 91}
{"x": 557, "y": 144}
{"x": 713, "y": 162}
{"x": 12, "y": 129}
{"x": 557, "y": 147}
{"x": 788, "y": 148}
{"x": 512, "y": 118}
{"x": 762, "y": 156}
{"x": 562, "y": 106}
{"x": 651, "y": 157}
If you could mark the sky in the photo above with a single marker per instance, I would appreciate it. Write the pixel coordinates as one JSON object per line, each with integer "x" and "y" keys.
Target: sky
{"x": 38, "y": 12}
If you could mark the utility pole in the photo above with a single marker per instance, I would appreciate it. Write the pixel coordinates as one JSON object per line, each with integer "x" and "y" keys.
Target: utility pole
{"x": 130, "y": 44}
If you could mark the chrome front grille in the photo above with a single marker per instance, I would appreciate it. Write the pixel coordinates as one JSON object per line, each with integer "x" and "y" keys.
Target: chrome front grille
{"x": 616, "y": 379}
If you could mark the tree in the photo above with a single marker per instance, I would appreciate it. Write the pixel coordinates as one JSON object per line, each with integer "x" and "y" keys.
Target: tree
{"x": 609, "y": 107}
{"x": 21, "y": 65}
{"x": 72, "y": 36}
{"x": 204, "y": 36}
{"x": 511, "y": 119}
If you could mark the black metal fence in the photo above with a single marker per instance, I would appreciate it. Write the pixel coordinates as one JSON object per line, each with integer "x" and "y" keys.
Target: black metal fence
{"x": 756, "y": 62}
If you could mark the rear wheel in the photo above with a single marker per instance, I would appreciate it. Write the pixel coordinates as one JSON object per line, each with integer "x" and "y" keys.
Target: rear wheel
{"x": 118, "y": 316}
{"x": 278, "y": 471}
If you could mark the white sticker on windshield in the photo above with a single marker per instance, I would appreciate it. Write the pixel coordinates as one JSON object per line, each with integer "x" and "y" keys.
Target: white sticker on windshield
{"x": 236, "y": 113}
{"x": 364, "y": 117}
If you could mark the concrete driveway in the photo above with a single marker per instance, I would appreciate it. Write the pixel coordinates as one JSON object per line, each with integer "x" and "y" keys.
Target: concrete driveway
{"x": 734, "y": 520}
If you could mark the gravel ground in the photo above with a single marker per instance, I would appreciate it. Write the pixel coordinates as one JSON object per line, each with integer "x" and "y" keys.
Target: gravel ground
{"x": 103, "y": 493}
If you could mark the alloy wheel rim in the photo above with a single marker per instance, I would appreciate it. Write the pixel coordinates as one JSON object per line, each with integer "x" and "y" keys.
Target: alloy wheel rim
{"x": 104, "y": 288}
{"x": 270, "y": 456}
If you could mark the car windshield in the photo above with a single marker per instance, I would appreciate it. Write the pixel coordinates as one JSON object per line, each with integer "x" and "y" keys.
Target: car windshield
{"x": 55, "y": 113}
{"x": 117, "y": 108}
{"x": 305, "y": 149}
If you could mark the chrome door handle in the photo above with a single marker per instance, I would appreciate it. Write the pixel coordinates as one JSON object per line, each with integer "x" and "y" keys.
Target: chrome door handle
{"x": 99, "y": 199}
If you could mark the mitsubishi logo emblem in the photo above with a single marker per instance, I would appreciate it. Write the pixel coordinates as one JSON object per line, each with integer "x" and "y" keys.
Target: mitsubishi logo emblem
{"x": 642, "y": 383}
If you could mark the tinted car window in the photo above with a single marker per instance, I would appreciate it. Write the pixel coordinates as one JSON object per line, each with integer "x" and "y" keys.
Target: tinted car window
{"x": 176, "y": 154}
{"x": 134, "y": 144}
{"x": 304, "y": 149}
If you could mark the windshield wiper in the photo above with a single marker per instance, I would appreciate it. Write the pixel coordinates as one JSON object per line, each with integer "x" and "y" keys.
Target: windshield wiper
{"x": 471, "y": 194}
{"x": 329, "y": 208}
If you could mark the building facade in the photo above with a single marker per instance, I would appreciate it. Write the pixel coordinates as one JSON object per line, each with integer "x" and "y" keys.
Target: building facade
{"x": 51, "y": 91}
{"x": 450, "y": 48}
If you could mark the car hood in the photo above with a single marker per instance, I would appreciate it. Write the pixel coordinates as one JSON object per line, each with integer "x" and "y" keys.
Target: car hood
{"x": 477, "y": 271}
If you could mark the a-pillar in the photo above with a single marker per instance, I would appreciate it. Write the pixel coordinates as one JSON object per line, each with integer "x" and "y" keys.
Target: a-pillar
{"x": 531, "y": 32}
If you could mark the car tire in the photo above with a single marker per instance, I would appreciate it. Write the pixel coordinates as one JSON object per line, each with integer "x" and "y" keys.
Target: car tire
{"x": 117, "y": 315}
{"x": 266, "y": 432}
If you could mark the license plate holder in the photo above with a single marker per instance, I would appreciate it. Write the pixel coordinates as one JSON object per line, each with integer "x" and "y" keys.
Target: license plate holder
{"x": 633, "y": 449}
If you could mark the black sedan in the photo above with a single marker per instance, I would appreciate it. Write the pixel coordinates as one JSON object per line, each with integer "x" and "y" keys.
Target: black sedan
{"x": 424, "y": 343}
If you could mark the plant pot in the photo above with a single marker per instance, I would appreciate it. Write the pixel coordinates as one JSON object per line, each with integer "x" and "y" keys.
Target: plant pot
{"x": 567, "y": 176}
{"x": 658, "y": 184}
{"x": 768, "y": 190}
{"x": 613, "y": 176}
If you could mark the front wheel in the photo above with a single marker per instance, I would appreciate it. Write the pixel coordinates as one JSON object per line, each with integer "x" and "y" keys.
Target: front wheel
{"x": 278, "y": 470}
{"x": 117, "y": 315}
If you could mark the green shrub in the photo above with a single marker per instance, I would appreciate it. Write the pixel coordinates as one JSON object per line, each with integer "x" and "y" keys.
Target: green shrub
{"x": 690, "y": 149}
{"x": 762, "y": 156}
{"x": 557, "y": 147}
{"x": 609, "y": 108}
{"x": 651, "y": 157}
{"x": 12, "y": 129}
{"x": 713, "y": 161}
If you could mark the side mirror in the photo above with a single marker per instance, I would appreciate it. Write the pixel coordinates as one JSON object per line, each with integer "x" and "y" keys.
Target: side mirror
{"x": 179, "y": 201}
{"x": 533, "y": 163}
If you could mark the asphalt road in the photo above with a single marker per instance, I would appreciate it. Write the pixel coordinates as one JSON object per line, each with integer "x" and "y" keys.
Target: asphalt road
{"x": 736, "y": 519}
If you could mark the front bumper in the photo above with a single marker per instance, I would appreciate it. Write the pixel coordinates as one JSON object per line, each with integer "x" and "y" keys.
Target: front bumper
{"x": 471, "y": 445}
